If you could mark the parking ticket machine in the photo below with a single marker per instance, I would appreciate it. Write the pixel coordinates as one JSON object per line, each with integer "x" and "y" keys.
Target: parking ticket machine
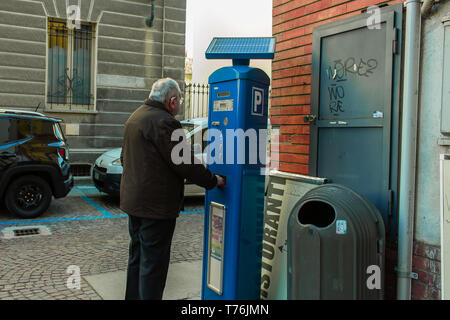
{"x": 237, "y": 135}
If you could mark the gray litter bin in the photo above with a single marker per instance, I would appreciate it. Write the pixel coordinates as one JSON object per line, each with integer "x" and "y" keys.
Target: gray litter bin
{"x": 336, "y": 243}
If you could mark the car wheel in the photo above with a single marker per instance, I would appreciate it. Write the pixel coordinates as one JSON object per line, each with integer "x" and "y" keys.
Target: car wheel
{"x": 28, "y": 197}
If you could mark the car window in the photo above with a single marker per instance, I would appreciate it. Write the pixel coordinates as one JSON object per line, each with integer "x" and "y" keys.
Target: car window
{"x": 42, "y": 128}
{"x": 4, "y": 131}
{"x": 188, "y": 127}
{"x": 205, "y": 140}
{"x": 197, "y": 137}
{"x": 58, "y": 131}
{"x": 14, "y": 130}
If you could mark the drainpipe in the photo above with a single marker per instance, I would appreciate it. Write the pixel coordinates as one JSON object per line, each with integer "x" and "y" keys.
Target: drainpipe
{"x": 426, "y": 7}
{"x": 149, "y": 20}
{"x": 408, "y": 149}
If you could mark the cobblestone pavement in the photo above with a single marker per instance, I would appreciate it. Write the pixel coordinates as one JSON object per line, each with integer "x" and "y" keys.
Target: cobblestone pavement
{"x": 90, "y": 232}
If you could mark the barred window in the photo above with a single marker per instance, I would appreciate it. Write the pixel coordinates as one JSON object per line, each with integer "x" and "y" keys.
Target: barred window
{"x": 70, "y": 66}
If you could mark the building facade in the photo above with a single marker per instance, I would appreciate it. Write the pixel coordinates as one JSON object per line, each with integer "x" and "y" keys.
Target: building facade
{"x": 89, "y": 62}
{"x": 305, "y": 30}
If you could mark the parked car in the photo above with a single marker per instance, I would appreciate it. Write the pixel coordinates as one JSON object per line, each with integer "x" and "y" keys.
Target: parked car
{"x": 34, "y": 162}
{"x": 107, "y": 169}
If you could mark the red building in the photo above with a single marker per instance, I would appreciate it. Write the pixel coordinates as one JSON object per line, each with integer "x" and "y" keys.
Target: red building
{"x": 292, "y": 77}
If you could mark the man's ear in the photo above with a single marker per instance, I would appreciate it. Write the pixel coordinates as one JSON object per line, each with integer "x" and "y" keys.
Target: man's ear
{"x": 170, "y": 104}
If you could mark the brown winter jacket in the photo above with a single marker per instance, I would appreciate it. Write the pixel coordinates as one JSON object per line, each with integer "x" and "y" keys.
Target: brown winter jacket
{"x": 152, "y": 186}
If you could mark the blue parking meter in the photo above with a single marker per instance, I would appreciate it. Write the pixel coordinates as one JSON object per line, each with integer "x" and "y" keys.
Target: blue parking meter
{"x": 237, "y": 135}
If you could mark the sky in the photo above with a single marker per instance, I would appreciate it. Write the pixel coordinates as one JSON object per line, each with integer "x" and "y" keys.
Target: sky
{"x": 206, "y": 19}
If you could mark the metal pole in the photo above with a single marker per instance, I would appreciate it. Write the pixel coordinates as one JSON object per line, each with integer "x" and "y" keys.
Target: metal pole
{"x": 426, "y": 7}
{"x": 408, "y": 149}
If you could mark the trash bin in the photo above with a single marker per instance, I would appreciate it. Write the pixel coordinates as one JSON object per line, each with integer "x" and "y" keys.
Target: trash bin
{"x": 336, "y": 243}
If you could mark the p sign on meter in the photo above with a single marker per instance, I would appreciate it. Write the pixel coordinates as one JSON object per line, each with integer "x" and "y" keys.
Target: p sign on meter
{"x": 257, "y": 101}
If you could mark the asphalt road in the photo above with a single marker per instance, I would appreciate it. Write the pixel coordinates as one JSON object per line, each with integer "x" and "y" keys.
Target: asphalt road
{"x": 86, "y": 230}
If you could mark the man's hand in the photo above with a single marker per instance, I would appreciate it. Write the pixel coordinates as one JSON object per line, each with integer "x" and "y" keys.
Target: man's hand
{"x": 220, "y": 181}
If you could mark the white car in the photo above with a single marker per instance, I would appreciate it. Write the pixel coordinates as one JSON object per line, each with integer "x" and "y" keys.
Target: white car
{"x": 107, "y": 170}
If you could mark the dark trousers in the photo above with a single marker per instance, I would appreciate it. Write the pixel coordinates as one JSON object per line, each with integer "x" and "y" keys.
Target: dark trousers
{"x": 149, "y": 256}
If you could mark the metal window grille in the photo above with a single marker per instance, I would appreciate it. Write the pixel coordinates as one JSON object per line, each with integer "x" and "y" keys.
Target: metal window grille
{"x": 80, "y": 170}
{"x": 196, "y": 100}
{"x": 26, "y": 232}
{"x": 70, "y": 66}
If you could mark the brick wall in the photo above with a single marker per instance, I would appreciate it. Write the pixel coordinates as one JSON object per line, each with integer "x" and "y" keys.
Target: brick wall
{"x": 427, "y": 265}
{"x": 293, "y": 23}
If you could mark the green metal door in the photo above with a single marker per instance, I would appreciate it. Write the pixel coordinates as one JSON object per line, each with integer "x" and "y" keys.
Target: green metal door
{"x": 355, "y": 106}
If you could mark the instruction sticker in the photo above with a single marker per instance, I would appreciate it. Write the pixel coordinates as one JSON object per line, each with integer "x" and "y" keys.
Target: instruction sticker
{"x": 223, "y": 105}
{"x": 216, "y": 246}
{"x": 341, "y": 226}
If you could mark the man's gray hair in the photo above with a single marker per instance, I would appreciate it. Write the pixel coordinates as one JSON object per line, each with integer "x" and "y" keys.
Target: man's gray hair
{"x": 164, "y": 89}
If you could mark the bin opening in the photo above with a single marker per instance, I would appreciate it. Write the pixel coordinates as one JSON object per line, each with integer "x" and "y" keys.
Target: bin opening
{"x": 317, "y": 213}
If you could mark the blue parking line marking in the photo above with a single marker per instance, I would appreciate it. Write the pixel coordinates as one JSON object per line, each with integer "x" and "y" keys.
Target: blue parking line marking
{"x": 62, "y": 219}
{"x": 106, "y": 213}
{"x": 190, "y": 212}
{"x": 100, "y": 209}
{"x": 108, "y": 216}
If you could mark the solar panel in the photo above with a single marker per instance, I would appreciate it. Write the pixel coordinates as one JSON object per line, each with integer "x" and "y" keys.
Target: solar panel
{"x": 241, "y": 48}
